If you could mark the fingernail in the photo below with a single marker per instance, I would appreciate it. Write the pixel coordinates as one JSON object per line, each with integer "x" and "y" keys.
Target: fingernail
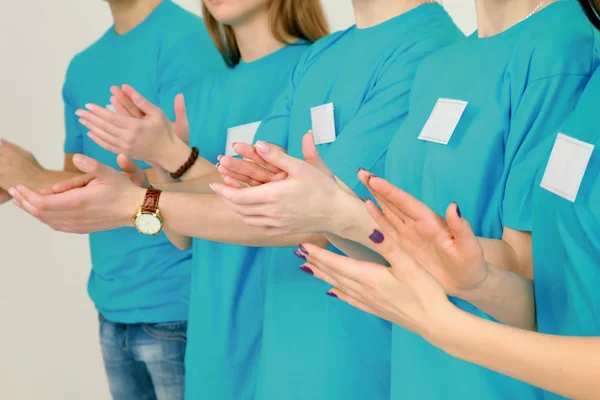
{"x": 79, "y": 113}
{"x": 263, "y": 147}
{"x": 89, "y": 106}
{"x": 360, "y": 169}
{"x": 219, "y": 158}
{"x": 303, "y": 249}
{"x": 331, "y": 294}
{"x": 12, "y": 192}
{"x": 376, "y": 236}
{"x": 217, "y": 164}
{"x": 309, "y": 271}
{"x": 136, "y": 96}
{"x": 212, "y": 187}
{"x": 371, "y": 176}
{"x": 458, "y": 210}
{"x": 299, "y": 254}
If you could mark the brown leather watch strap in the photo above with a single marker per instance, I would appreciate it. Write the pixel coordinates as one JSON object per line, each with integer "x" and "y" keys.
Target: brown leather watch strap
{"x": 188, "y": 164}
{"x": 151, "y": 200}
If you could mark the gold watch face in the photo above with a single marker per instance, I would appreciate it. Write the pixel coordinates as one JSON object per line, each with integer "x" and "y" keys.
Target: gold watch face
{"x": 148, "y": 223}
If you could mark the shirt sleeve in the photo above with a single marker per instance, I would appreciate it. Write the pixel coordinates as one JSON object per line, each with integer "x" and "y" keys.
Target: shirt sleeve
{"x": 276, "y": 127}
{"x": 73, "y": 129}
{"x": 541, "y": 111}
{"x": 364, "y": 141}
{"x": 183, "y": 68}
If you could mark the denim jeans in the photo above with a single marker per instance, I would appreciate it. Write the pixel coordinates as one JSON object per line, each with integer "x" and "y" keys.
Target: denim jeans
{"x": 144, "y": 361}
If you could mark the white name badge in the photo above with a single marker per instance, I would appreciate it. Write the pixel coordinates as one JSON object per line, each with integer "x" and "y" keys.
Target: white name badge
{"x": 443, "y": 120}
{"x": 243, "y": 134}
{"x": 110, "y": 107}
{"x": 323, "y": 123}
{"x": 567, "y": 164}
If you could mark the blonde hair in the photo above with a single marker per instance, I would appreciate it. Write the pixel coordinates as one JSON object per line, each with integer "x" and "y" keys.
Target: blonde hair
{"x": 304, "y": 19}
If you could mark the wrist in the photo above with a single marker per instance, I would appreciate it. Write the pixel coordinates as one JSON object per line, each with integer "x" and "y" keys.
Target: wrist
{"x": 175, "y": 154}
{"x": 132, "y": 201}
{"x": 482, "y": 289}
{"x": 446, "y": 328}
{"x": 348, "y": 217}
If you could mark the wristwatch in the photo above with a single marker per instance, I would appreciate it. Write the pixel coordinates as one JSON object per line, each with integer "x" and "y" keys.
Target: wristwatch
{"x": 148, "y": 220}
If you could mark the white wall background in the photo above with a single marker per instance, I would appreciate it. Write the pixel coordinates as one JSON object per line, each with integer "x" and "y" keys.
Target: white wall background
{"x": 48, "y": 328}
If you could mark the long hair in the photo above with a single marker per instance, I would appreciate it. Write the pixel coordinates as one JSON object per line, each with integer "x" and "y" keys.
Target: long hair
{"x": 592, "y": 11}
{"x": 304, "y": 19}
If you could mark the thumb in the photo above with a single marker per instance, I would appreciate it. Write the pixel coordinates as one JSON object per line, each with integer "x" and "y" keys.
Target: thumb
{"x": 311, "y": 154}
{"x": 94, "y": 167}
{"x": 276, "y": 156}
{"x": 142, "y": 103}
{"x": 133, "y": 171}
{"x": 181, "y": 126}
{"x": 461, "y": 230}
{"x": 126, "y": 164}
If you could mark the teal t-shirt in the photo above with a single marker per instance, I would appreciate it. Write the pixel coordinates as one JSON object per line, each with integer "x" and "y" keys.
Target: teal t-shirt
{"x": 519, "y": 87}
{"x": 137, "y": 278}
{"x": 316, "y": 347}
{"x": 566, "y": 231}
{"x": 228, "y": 281}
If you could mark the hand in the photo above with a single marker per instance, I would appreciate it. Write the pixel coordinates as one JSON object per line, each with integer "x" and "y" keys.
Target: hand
{"x": 151, "y": 138}
{"x": 4, "y": 196}
{"x": 253, "y": 170}
{"x": 108, "y": 201}
{"x": 405, "y": 294}
{"x": 16, "y": 165}
{"x": 447, "y": 249}
{"x": 308, "y": 200}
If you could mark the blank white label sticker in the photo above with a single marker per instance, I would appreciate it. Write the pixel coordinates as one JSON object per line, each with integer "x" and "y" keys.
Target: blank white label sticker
{"x": 323, "y": 123}
{"x": 443, "y": 120}
{"x": 566, "y": 167}
{"x": 243, "y": 134}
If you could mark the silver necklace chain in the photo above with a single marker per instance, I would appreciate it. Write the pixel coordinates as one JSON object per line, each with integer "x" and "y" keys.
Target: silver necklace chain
{"x": 535, "y": 10}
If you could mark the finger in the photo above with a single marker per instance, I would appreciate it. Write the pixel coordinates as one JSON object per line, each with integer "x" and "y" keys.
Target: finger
{"x": 382, "y": 220}
{"x": 126, "y": 103}
{"x": 277, "y": 157}
{"x": 404, "y": 201}
{"x": 246, "y": 171}
{"x": 104, "y": 144}
{"x": 181, "y": 126}
{"x": 141, "y": 102}
{"x": 119, "y": 109}
{"x": 311, "y": 154}
{"x": 90, "y": 166}
{"x": 97, "y": 113}
{"x": 334, "y": 263}
{"x": 92, "y": 122}
{"x": 461, "y": 231}
{"x": 23, "y": 204}
{"x": 250, "y": 152}
{"x": 394, "y": 214}
{"x": 246, "y": 196}
{"x": 233, "y": 183}
{"x": 353, "y": 301}
{"x": 339, "y": 281}
{"x": 73, "y": 183}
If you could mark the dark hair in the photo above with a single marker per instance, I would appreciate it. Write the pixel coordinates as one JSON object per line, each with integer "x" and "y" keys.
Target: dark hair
{"x": 592, "y": 11}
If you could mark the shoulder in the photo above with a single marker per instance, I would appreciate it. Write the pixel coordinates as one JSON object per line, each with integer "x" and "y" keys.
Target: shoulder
{"x": 80, "y": 63}
{"x": 559, "y": 41}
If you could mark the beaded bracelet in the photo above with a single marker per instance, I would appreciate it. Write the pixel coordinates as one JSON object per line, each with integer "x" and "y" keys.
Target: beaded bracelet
{"x": 188, "y": 164}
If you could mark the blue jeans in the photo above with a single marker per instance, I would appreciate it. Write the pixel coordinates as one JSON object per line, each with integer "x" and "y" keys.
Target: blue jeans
{"x": 144, "y": 361}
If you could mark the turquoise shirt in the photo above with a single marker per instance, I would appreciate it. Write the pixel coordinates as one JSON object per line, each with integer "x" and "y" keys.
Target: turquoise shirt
{"x": 228, "y": 281}
{"x": 520, "y": 86}
{"x": 137, "y": 278}
{"x": 566, "y": 235}
{"x": 316, "y": 347}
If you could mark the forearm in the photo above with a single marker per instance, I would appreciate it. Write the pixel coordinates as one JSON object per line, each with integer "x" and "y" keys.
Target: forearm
{"x": 506, "y": 296}
{"x": 182, "y": 242}
{"x": 499, "y": 252}
{"x": 206, "y": 216}
{"x": 564, "y": 365}
{"x": 43, "y": 178}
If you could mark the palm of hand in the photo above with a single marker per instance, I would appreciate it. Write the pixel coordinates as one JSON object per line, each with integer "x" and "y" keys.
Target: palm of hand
{"x": 430, "y": 242}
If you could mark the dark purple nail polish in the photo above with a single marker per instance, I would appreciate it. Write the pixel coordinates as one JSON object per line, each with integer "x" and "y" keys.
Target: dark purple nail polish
{"x": 458, "y": 210}
{"x": 376, "y": 237}
{"x": 371, "y": 176}
{"x": 330, "y": 294}
{"x": 299, "y": 254}
{"x": 303, "y": 249}
{"x": 309, "y": 271}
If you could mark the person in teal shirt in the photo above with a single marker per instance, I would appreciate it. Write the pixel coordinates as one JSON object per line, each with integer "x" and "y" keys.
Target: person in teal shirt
{"x": 227, "y": 284}
{"x": 556, "y": 350}
{"x": 139, "y": 285}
